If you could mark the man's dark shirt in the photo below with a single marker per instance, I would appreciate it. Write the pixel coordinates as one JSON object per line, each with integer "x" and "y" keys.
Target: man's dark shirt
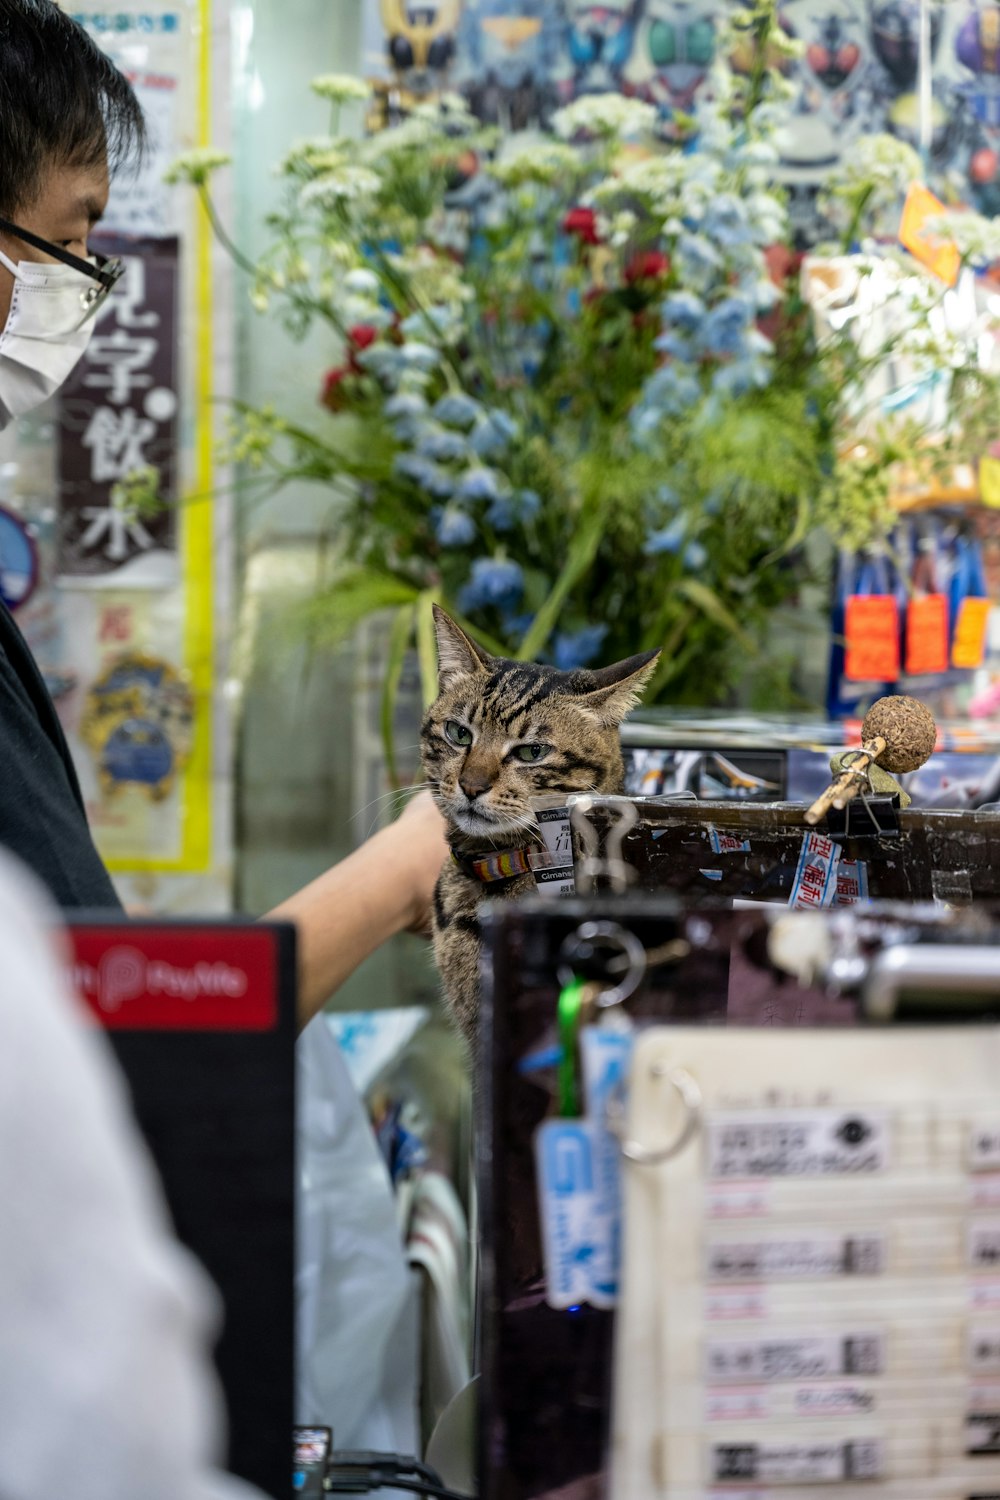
{"x": 42, "y": 817}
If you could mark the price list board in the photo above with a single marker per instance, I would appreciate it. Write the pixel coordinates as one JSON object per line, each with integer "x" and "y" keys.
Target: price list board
{"x": 810, "y": 1301}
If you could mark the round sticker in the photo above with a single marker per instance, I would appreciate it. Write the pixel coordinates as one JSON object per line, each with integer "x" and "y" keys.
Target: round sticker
{"x": 18, "y": 560}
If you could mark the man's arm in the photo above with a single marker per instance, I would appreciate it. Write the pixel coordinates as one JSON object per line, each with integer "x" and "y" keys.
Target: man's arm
{"x": 384, "y": 887}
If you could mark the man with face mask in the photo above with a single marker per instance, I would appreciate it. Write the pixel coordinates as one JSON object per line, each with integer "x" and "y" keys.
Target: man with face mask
{"x": 67, "y": 119}
{"x": 66, "y": 116}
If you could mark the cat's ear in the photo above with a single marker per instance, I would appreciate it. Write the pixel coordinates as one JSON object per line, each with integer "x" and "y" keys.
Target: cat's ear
{"x": 617, "y": 689}
{"x": 458, "y": 656}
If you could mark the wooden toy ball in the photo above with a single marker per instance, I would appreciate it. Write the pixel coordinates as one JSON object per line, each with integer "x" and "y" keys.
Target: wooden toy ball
{"x": 908, "y": 728}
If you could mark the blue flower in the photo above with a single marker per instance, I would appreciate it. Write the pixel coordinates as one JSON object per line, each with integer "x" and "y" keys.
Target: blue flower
{"x": 712, "y": 504}
{"x": 492, "y": 436}
{"x": 501, "y": 513}
{"x": 495, "y": 582}
{"x": 668, "y": 538}
{"x": 695, "y": 557}
{"x": 435, "y": 442}
{"x": 457, "y": 410}
{"x": 677, "y": 345}
{"x": 412, "y": 466}
{"x": 726, "y": 221}
{"x": 741, "y": 376}
{"x": 668, "y": 496}
{"x": 454, "y": 527}
{"x": 405, "y": 404}
{"x": 439, "y": 483}
{"x": 416, "y": 356}
{"x": 515, "y": 624}
{"x": 670, "y": 391}
{"x": 479, "y": 484}
{"x": 529, "y": 503}
{"x": 683, "y": 310}
{"x": 697, "y": 260}
{"x": 725, "y": 327}
{"x": 578, "y": 649}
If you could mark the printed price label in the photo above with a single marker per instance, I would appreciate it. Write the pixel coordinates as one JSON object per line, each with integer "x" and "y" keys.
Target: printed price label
{"x": 969, "y": 643}
{"x": 797, "y": 1462}
{"x": 982, "y": 1434}
{"x": 984, "y": 1349}
{"x": 554, "y": 871}
{"x": 927, "y": 635}
{"x": 871, "y": 630}
{"x": 984, "y": 1245}
{"x": 984, "y": 1146}
{"x": 811, "y": 1256}
{"x": 802, "y": 1143}
{"x": 834, "y": 1401}
{"x": 814, "y": 1357}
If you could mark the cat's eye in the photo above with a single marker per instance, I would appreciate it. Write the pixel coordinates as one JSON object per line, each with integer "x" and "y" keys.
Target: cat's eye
{"x": 530, "y": 753}
{"x": 457, "y": 733}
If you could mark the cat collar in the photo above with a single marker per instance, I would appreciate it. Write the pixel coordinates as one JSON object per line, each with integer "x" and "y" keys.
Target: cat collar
{"x": 502, "y": 864}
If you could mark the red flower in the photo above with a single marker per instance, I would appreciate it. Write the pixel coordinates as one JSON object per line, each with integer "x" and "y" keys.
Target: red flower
{"x": 362, "y": 334}
{"x": 648, "y": 265}
{"x": 333, "y": 396}
{"x": 582, "y": 222}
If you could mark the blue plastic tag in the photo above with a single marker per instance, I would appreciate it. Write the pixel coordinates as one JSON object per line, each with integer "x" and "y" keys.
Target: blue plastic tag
{"x": 606, "y": 1057}
{"x": 564, "y": 1156}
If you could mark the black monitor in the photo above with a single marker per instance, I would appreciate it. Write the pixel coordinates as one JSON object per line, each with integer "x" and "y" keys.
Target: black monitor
{"x": 202, "y": 1018}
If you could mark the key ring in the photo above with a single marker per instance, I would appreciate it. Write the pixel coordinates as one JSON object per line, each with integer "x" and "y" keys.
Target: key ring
{"x": 581, "y": 944}
{"x": 690, "y": 1095}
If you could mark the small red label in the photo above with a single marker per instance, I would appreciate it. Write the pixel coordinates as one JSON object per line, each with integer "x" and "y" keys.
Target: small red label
{"x": 927, "y": 634}
{"x": 197, "y": 978}
{"x": 871, "y": 629}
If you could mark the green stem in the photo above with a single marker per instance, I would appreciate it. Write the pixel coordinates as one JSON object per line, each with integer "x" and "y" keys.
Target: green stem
{"x": 219, "y": 230}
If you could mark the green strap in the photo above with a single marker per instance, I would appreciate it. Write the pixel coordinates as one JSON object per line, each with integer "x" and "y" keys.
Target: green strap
{"x": 568, "y": 1018}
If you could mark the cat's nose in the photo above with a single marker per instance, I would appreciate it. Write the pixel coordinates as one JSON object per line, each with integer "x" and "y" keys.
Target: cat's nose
{"x": 473, "y": 783}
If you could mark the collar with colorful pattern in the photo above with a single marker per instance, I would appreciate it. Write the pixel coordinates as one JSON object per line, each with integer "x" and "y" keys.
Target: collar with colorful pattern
{"x": 496, "y": 865}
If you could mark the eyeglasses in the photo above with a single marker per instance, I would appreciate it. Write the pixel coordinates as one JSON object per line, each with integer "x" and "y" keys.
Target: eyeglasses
{"x": 104, "y": 271}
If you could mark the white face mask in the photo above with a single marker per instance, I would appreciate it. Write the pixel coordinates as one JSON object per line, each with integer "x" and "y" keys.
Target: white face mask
{"x": 46, "y": 332}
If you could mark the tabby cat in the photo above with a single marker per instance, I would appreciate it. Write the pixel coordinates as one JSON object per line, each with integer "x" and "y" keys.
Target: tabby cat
{"x": 500, "y": 733}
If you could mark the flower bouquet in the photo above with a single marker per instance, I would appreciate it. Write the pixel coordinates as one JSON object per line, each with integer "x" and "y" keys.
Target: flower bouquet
{"x": 576, "y": 395}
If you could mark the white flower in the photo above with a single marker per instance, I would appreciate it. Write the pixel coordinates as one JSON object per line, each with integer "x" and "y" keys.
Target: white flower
{"x": 447, "y": 109}
{"x": 196, "y": 166}
{"x": 977, "y": 239}
{"x": 323, "y": 153}
{"x": 545, "y": 162}
{"x": 340, "y": 88}
{"x": 412, "y": 134}
{"x": 608, "y": 115}
{"x": 362, "y": 283}
{"x": 881, "y": 162}
{"x": 347, "y": 183}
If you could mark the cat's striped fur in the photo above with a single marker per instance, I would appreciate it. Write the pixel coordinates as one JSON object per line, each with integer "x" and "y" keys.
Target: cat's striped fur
{"x": 491, "y": 712}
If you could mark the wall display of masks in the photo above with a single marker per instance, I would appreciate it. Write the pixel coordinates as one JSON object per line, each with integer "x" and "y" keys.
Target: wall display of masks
{"x": 113, "y": 580}
{"x": 517, "y": 60}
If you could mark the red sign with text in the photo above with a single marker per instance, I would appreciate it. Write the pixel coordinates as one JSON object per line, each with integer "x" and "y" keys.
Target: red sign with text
{"x": 177, "y": 978}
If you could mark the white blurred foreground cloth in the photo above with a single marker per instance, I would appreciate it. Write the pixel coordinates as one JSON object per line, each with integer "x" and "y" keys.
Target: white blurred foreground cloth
{"x": 106, "y": 1388}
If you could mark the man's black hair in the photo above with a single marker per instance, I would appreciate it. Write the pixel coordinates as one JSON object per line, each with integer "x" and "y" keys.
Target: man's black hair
{"x": 62, "y": 101}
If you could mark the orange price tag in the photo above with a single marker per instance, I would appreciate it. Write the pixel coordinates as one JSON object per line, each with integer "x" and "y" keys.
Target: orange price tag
{"x": 927, "y": 634}
{"x": 871, "y": 630}
{"x": 969, "y": 644}
{"x": 939, "y": 256}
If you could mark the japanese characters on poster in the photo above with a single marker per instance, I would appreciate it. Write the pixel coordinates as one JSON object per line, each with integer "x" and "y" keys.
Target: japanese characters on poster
{"x": 118, "y": 421}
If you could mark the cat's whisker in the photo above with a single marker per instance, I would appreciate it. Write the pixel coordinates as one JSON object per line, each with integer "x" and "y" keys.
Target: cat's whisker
{"x": 385, "y": 798}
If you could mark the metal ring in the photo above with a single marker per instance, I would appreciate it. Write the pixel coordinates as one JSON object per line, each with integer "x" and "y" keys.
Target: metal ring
{"x": 642, "y": 1156}
{"x": 580, "y": 944}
